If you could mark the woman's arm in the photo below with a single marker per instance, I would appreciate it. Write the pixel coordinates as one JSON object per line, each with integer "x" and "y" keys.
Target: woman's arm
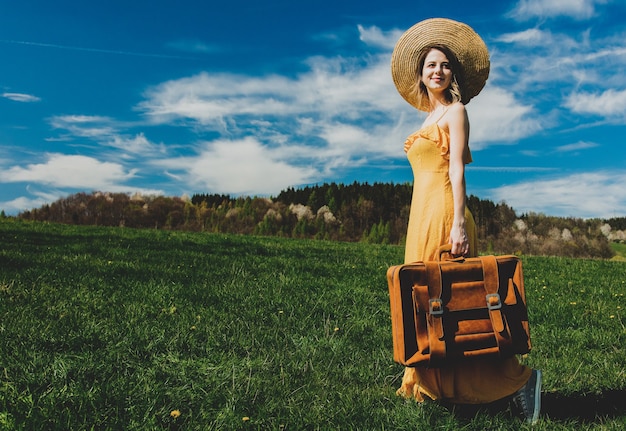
{"x": 458, "y": 127}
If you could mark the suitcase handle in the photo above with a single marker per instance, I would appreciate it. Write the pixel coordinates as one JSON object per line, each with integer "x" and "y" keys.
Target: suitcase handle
{"x": 447, "y": 248}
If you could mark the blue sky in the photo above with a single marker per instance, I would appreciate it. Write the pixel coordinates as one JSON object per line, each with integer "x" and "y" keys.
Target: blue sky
{"x": 251, "y": 97}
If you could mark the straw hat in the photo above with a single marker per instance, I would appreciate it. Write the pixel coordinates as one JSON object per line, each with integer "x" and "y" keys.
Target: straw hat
{"x": 461, "y": 39}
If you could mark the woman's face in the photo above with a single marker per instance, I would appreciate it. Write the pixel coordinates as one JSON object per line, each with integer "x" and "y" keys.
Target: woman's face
{"x": 437, "y": 72}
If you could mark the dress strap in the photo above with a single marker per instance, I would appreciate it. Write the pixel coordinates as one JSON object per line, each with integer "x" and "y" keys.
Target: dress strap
{"x": 445, "y": 111}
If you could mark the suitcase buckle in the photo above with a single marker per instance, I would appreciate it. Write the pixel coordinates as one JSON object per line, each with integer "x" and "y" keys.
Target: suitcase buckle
{"x": 435, "y": 307}
{"x": 493, "y": 301}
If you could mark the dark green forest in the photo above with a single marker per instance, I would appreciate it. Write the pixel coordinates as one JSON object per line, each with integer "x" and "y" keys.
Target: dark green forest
{"x": 373, "y": 213}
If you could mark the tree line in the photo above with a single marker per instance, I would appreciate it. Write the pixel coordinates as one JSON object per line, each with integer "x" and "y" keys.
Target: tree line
{"x": 373, "y": 213}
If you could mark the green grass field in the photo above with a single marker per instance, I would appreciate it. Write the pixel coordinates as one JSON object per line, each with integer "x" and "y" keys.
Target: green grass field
{"x": 112, "y": 328}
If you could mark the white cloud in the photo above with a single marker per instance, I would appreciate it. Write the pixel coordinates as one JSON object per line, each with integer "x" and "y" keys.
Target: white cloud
{"x": 588, "y": 195}
{"x": 585, "y": 68}
{"x": 137, "y": 145}
{"x": 532, "y": 36}
{"x": 498, "y": 117}
{"x": 105, "y": 131}
{"x": 606, "y": 53}
{"x": 581, "y": 64}
{"x": 577, "y": 9}
{"x": 78, "y": 119}
{"x": 21, "y": 97}
{"x": 22, "y": 203}
{"x": 208, "y": 99}
{"x": 374, "y": 36}
{"x": 84, "y": 126}
{"x": 531, "y": 61}
{"x": 610, "y": 103}
{"x": 72, "y": 171}
{"x": 340, "y": 113}
{"x": 332, "y": 87}
{"x": 242, "y": 166}
{"x": 576, "y": 147}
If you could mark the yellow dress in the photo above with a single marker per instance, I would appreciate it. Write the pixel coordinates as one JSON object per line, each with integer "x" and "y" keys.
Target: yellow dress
{"x": 475, "y": 381}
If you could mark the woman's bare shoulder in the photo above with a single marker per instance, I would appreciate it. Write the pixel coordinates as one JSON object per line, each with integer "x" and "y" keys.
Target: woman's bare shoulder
{"x": 457, "y": 108}
{"x": 456, "y": 115}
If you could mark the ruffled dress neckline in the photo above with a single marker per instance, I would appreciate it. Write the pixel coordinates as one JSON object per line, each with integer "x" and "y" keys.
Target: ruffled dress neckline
{"x": 441, "y": 138}
{"x": 434, "y": 133}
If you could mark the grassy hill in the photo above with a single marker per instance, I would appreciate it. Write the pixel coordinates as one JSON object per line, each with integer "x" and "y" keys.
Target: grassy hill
{"x": 113, "y": 328}
{"x": 620, "y": 251}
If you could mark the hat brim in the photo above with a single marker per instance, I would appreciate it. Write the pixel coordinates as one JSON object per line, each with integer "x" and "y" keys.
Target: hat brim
{"x": 461, "y": 39}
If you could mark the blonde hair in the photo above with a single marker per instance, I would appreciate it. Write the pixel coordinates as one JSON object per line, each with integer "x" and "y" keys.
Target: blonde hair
{"x": 453, "y": 93}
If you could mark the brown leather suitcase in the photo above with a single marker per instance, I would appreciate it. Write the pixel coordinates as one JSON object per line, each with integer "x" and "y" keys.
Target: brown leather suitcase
{"x": 448, "y": 310}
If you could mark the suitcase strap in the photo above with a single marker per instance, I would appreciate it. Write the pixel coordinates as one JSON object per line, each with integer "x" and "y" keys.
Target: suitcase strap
{"x": 436, "y": 340}
{"x": 501, "y": 329}
{"x": 493, "y": 300}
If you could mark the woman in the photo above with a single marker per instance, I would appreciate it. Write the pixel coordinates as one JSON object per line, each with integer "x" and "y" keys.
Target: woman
{"x": 438, "y": 66}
